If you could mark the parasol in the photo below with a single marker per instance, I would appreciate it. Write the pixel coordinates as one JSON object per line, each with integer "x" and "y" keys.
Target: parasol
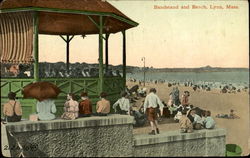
{"x": 41, "y": 91}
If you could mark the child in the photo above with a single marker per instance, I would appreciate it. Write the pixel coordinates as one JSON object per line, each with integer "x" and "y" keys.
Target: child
{"x": 12, "y": 110}
{"x": 185, "y": 124}
{"x": 184, "y": 100}
{"x": 85, "y": 107}
{"x": 209, "y": 122}
{"x": 71, "y": 108}
{"x": 197, "y": 123}
{"x": 122, "y": 105}
{"x": 103, "y": 105}
{"x": 232, "y": 115}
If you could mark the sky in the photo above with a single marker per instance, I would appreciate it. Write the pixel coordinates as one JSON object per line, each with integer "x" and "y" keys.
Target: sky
{"x": 167, "y": 38}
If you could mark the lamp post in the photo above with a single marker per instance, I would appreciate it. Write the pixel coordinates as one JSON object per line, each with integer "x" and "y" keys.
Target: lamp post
{"x": 143, "y": 59}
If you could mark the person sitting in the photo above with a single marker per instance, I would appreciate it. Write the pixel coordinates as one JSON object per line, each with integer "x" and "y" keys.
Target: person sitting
{"x": 173, "y": 110}
{"x": 197, "y": 123}
{"x": 142, "y": 92}
{"x": 78, "y": 72}
{"x": 21, "y": 73}
{"x": 139, "y": 118}
{"x": 103, "y": 105}
{"x": 83, "y": 73}
{"x": 87, "y": 73}
{"x": 12, "y": 110}
{"x": 209, "y": 122}
{"x": 178, "y": 115}
{"x": 191, "y": 118}
{"x": 232, "y": 115}
{"x": 121, "y": 106}
{"x": 185, "y": 124}
{"x": 61, "y": 73}
{"x": 166, "y": 111}
{"x": 109, "y": 73}
{"x": 52, "y": 73}
{"x": 46, "y": 109}
{"x": 85, "y": 107}
{"x": 71, "y": 108}
{"x": 117, "y": 73}
{"x": 46, "y": 74}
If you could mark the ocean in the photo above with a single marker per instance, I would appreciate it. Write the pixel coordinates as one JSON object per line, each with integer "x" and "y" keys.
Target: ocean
{"x": 236, "y": 78}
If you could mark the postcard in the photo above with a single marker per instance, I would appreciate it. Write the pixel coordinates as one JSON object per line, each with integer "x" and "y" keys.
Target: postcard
{"x": 124, "y": 78}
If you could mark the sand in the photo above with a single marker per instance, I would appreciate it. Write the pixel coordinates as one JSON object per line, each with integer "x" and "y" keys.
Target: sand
{"x": 237, "y": 129}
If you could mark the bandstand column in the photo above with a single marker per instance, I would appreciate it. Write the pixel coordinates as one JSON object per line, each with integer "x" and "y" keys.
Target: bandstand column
{"x": 67, "y": 40}
{"x": 67, "y": 52}
{"x": 107, "y": 51}
{"x": 124, "y": 57}
{"x": 35, "y": 46}
{"x": 101, "y": 54}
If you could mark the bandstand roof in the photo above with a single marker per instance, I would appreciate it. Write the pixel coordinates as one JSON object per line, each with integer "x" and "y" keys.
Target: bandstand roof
{"x": 71, "y": 17}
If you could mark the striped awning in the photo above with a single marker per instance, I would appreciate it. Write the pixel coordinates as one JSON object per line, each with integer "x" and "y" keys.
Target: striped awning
{"x": 16, "y": 37}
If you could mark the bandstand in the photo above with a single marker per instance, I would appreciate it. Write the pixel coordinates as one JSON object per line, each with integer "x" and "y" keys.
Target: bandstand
{"x": 21, "y": 22}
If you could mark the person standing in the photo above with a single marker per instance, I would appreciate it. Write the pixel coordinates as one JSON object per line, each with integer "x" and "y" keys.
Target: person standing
{"x": 85, "y": 106}
{"x": 175, "y": 95}
{"x": 150, "y": 106}
{"x": 185, "y": 100}
{"x": 121, "y": 106}
{"x": 12, "y": 110}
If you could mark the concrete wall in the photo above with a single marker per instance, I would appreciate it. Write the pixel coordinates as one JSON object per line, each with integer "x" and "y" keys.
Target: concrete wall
{"x": 93, "y": 136}
{"x": 173, "y": 143}
{"x": 108, "y": 136}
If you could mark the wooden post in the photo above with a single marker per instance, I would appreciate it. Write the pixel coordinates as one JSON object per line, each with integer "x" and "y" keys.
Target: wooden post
{"x": 101, "y": 54}
{"x": 107, "y": 51}
{"x": 35, "y": 46}
{"x": 67, "y": 52}
{"x": 124, "y": 57}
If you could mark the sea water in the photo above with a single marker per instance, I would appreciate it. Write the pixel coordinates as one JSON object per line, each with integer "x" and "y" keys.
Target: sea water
{"x": 216, "y": 79}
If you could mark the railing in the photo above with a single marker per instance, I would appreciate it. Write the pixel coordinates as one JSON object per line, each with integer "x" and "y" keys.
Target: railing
{"x": 75, "y": 85}
{"x": 13, "y": 85}
{"x": 112, "y": 85}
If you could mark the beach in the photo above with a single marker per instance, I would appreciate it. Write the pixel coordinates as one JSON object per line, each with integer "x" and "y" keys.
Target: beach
{"x": 237, "y": 129}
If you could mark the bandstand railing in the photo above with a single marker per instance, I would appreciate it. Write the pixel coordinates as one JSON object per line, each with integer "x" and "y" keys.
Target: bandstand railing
{"x": 112, "y": 85}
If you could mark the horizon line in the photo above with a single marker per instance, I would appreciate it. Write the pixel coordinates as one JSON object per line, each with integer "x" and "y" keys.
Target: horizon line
{"x": 156, "y": 67}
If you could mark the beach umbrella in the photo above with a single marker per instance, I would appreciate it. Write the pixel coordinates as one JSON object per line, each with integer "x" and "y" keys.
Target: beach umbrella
{"x": 41, "y": 91}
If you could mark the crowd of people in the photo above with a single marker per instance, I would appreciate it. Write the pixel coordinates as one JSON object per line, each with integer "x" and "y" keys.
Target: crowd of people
{"x": 46, "y": 109}
{"x": 54, "y": 70}
{"x": 188, "y": 116}
{"x": 196, "y": 86}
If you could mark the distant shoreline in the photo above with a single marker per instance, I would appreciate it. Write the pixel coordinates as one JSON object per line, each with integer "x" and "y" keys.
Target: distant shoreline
{"x": 135, "y": 69}
{"x": 198, "y": 70}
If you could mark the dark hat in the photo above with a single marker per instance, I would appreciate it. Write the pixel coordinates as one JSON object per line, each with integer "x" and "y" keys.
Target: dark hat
{"x": 103, "y": 95}
{"x": 123, "y": 93}
{"x": 84, "y": 94}
{"x": 72, "y": 95}
{"x": 152, "y": 90}
{"x": 12, "y": 95}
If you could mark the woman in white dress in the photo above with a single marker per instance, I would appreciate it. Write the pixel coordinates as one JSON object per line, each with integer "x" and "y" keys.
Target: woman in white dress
{"x": 46, "y": 109}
